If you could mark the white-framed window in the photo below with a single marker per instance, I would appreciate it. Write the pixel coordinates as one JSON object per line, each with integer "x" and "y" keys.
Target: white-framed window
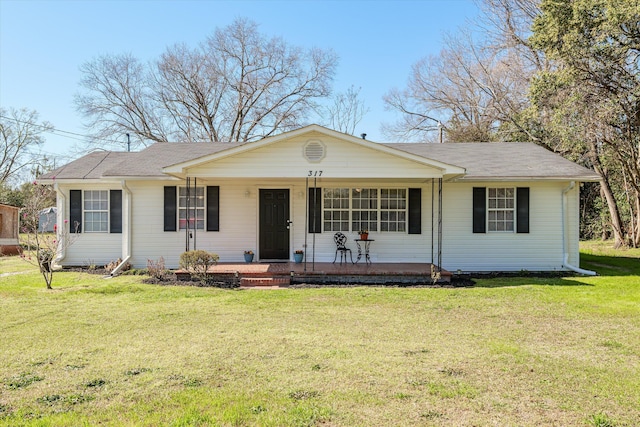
{"x": 336, "y": 209}
{"x": 96, "y": 211}
{"x": 364, "y": 209}
{"x": 501, "y": 204}
{"x": 393, "y": 209}
{"x": 371, "y": 209}
{"x": 191, "y": 207}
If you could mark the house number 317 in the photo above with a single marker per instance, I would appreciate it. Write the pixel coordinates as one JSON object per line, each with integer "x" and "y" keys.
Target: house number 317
{"x": 315, "y": 173}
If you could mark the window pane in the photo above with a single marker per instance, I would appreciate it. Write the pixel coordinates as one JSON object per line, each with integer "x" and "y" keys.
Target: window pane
{"x": 336, "y": 209}
{"x": 191, "y": 208}
{"x": 393, "y": 209}
{"x": 500, "y": 210}
{"x": 96, "y": 210}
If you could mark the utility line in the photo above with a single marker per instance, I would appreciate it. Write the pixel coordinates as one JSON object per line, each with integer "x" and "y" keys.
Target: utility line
{"x": 59, "y": 132}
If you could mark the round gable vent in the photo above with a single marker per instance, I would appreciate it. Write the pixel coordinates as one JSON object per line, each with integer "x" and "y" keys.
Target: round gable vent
{"x": 314, "y": 151}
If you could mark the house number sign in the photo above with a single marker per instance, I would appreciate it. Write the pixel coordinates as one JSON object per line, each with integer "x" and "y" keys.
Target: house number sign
{"x": 315, "y": 173}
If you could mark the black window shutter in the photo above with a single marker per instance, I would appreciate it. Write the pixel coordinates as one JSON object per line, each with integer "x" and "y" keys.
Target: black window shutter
{"x": 315, "y": 210}
{"x": 115, "y": 211}
{"x": 522, "y": 209}
{"x": 415, "y": 211}
{"x": 479, "y": 210}
{"x": 75, "y": 211}
{"x": 170, "y": 208}
{"x": 213, "y": 208}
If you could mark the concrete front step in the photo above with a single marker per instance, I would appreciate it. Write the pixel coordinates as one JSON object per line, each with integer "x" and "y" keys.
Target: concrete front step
{"x": 265, "y": 281}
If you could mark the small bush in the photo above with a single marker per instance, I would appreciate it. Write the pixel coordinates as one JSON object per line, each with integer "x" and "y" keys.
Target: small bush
{"x": 197, "y": 262}
{"x": 156, "y": 269}
{"x": 113, "y": 264}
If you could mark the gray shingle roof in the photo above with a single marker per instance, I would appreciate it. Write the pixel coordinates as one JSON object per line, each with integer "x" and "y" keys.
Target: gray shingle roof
{"x": 501, "y": 160}
{"x": 150, "y": 161}
{"x": 91, "y": 166}
{"x": 146, "y": 163}
{"x": 481, "y": 160}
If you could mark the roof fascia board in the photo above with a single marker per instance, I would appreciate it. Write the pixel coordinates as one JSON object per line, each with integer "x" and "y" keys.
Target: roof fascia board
{"x": 50, "y": 181}
{"x": 146, "y": 178}
{"x": 527, "y": 178}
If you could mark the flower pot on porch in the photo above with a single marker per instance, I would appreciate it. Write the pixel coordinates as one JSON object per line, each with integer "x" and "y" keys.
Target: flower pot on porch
{"x": 364, "y": 236}
{"x": 298, "y": 258}
{"x": 248, "y": 257}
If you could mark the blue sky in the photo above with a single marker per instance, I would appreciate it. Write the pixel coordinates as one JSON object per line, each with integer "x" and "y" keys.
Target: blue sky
{"x": 43, "y": 44}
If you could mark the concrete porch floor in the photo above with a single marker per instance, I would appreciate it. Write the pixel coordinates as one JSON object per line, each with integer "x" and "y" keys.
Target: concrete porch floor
{"x": 258, "y": 273}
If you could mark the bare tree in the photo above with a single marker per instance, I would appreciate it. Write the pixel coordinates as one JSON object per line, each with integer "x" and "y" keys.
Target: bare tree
{"x": 236, "y": 86}
{"x": 476, "y": 88}
{"x": 42, "y": 248}
{"x": 21, "y": 135}
{"x": 346, "y": 111}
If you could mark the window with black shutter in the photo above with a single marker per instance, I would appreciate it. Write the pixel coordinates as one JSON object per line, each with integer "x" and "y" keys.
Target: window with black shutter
{"x": 315, "y": 210}
{"x": 415, "y": 211}
{"x": 75, "y": 211}
{"x": 115, "y": 211}
{"x": 170, "y": 208}
{"x": 522, "y": 209}
{"x": 479, "y": 209}
{"x": 213, "y": 208}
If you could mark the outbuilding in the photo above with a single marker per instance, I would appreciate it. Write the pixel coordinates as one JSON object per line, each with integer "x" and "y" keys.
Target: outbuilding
{"x": 9, "y": 230}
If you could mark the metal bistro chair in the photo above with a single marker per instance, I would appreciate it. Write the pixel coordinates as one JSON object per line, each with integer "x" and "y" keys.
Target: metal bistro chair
{"x": 340, "y": 240}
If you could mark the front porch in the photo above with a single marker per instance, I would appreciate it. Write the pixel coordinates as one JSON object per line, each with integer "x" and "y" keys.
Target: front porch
{"x": 288, "y": 273}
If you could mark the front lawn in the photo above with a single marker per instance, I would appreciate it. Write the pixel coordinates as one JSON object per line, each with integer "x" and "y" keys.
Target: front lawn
{"x": 509, "y": 351}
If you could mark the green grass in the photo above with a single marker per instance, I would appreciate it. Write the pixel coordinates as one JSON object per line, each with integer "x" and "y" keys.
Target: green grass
{"x": 510, "y": 351}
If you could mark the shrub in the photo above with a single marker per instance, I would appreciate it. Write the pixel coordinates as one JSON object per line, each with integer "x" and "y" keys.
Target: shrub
{"x": 157, "y": 268}
{"x": 197, "y": 262}
{"x": 113, "y": 264}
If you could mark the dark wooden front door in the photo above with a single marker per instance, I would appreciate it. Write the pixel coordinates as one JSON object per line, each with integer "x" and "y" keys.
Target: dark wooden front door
{"x": 274, "y": 224}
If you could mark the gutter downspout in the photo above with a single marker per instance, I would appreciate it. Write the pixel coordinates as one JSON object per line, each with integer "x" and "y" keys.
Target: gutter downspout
{"x": 127, "y": 234}
{"x": 565, "y": 261}
{"x": 61, "y": 203}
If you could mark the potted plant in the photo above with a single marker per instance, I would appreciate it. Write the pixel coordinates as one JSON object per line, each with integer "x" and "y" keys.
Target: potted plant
{"x": 298, "y": 255}
{"x": 364, "y": 234}
{"x": 248, "y": 256}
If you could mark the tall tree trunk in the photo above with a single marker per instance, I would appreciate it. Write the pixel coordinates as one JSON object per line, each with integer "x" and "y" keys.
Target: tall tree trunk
{"x": 614, "y": 212}
{"x": 636, "y": 241}
{"x": 605, "y": 189}
{"x": 604, "y": 224}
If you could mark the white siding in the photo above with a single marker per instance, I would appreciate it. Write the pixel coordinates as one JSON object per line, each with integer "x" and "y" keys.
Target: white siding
{"x": 539, "y": 250}
{"x": 89, "y": 248}
{"x": 573, "y": 226}
{"x": 343, "y": 160}
{"x": 238, "y": 224}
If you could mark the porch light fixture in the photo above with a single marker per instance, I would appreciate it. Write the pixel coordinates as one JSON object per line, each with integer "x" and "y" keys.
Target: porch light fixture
{"x": 247, "y": 194}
